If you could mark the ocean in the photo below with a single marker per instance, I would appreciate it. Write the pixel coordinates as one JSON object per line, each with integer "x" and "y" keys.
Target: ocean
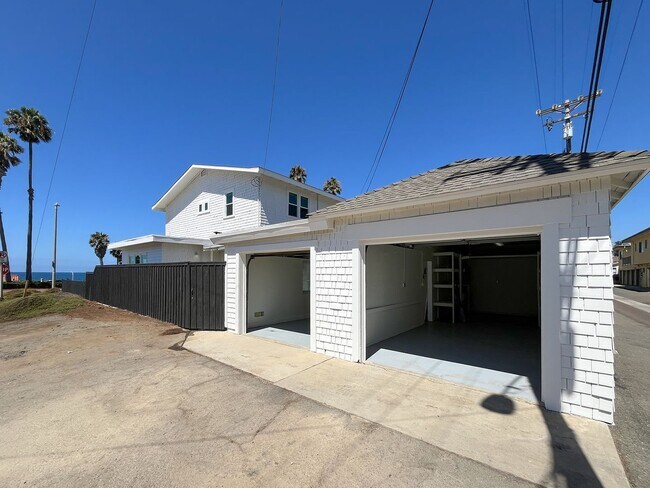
{"x": 47, "y": 275}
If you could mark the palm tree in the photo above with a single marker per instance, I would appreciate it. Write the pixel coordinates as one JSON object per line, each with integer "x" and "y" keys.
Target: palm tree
{"x": 9, "y": 150}
{"x": 332, "y": 186}
{"x": 298, "y": 173}
{"x": 117, "y": 254}
{"x": 99, "y": 242}
{"x": 32, "y": 127}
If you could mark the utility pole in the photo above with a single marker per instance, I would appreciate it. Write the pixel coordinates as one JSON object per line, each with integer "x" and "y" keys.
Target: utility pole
{"x": 56, "y": 216}
{"x": 566, "y": 110}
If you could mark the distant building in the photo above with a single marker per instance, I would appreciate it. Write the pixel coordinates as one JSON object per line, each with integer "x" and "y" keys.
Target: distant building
{"x": 634, "y": 258}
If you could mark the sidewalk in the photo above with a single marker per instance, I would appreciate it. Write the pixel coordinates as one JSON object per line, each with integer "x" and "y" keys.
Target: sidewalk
{"x": 512, "y": 436}
{"x": 638, "y": 299}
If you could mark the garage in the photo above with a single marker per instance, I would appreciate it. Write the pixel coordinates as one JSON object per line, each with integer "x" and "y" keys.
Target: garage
{"x": 466, "y": 311}
{"x": 278, "y": 297}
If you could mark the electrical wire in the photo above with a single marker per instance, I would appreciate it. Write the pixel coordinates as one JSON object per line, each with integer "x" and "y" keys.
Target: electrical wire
{"x": 584, "y": 65}
{"x": 595, "y": 73}
{"x": 534, "y": 56}
{"x": 65, "y": 125}
{"x": 391, "y": 120}
{"x": 620, "y": 73}
{"x": 562, "y": 48}
{"x": 275, "y": 77}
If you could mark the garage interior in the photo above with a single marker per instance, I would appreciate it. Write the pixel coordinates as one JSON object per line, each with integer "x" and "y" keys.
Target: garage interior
{"x": 277, "y": 297}
{"x": 465, "y": 311}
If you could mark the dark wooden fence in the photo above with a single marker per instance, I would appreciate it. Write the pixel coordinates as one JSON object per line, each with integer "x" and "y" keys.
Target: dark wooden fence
{"x": 190, "y": 295}
{"x": 76, "y": 287}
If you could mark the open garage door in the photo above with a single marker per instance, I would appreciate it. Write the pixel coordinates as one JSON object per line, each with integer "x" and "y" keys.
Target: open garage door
{"x": 278, "y": 297}
{"x": 465, "y": 311}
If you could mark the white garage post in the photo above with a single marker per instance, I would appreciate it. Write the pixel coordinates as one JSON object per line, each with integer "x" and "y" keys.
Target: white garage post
{"x": 242, "y": 269}
{"x": 358, "y": 307}
{"x": 550, "y": 284}
{"x": 313, "y": 293}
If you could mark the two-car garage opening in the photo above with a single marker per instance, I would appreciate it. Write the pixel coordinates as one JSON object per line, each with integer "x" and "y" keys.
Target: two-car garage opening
{"x": 466, "y": 311}
{"x": 278, "y": 297}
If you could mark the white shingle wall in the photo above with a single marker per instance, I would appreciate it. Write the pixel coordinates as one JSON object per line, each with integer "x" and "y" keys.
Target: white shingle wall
{"x": 183, "y": 220}
{"x": 231, "y": 291}
{"x": 587, "y": 308}
{"x": 333, "y": 296}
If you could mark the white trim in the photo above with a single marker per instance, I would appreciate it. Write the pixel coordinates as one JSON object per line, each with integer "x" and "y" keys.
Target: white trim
{"x": 312, "y": 298}
{"x": 292, "y": 227}
{"x": 551, "y": 363}
{"x": 195, "y": 170}
{"x": 630, "y": 188}
{"x": 225, "y": 204}
{"x": 357, "y": 310}
{"x": 153, "y": 238}
{"x": 274, "y": 247}
{"x": 499, "y": 221}
{"x": 521, "y": 184}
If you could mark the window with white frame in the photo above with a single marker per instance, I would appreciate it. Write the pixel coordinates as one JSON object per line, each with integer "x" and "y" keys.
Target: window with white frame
{"x": 304, "y": 207}
{"x": 298, "y": 205}
{"x": 293, "y": 204}
{"x": 230, "y": 205}
{"x": 203, "y": 207}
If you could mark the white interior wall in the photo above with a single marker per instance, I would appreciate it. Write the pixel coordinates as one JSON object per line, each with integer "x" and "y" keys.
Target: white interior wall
{"x": 275, "y": 287}
{"x": 504, "y": 286}
{"x": 395, "y": 291}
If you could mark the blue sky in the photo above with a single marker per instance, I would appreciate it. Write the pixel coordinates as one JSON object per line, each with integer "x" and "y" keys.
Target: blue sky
{"x": 190, "y": 82}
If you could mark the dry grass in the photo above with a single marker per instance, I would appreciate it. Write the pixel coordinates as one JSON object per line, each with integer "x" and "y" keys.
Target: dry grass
{"x": 36, "y": 303}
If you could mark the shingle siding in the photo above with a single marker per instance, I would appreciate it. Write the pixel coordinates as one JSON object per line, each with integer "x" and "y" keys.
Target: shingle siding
{"x": 585, "y": 337}
{"x": 334, "y": 296}
{"x": 587, "y": 313}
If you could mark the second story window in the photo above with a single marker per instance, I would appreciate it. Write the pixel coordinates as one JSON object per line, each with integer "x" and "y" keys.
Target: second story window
{"x": 304, "y": 207}
{"x": 230, "y": 206}
{"x": 203, "y": 207}
{"x": 293, "y": 204}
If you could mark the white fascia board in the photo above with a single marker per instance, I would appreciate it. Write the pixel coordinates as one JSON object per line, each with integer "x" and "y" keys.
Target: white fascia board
{"x": 153, "y": 238}
{"x": 503, "y": 220}
{"x": 578, "y": 175}
{"x": 629, "y": 189}
{"x": 268, "y": 231}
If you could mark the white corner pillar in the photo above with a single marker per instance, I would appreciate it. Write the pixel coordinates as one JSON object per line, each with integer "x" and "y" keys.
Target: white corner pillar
{"x": 551, "y": 366}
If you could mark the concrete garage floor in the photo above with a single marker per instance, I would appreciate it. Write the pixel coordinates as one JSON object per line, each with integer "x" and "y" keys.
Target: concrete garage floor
{"x": 106, "y": 398}
{"x": 295, "y": 333}
{"x": 500, "y": 356}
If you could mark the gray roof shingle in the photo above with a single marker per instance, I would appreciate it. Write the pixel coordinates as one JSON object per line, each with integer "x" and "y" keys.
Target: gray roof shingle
{"x": 470, "y": 174}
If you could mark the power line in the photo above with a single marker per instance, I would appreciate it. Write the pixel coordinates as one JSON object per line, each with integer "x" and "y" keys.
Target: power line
{"x": 620, "y": 73}
{"x": 275, "y": 76}
{"x": 534, "y": 54}
{"x": 562, "y": 47}
{"x": 603, "y": 25}
{"x": 584, "y": 66}
{"x": 65, "y": 124}
{"x": 382, "y": 145}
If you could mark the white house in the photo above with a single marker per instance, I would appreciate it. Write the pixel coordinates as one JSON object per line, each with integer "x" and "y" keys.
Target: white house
{"x": 495, "y": 273}
{"x": 209, "y": 200}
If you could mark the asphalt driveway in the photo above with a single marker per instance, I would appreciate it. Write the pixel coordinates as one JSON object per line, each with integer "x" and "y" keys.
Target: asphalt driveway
{"x": 106, "y": 398}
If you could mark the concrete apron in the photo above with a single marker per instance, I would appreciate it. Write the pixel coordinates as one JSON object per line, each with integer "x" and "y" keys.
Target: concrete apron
{"x": 516, "y": 437}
